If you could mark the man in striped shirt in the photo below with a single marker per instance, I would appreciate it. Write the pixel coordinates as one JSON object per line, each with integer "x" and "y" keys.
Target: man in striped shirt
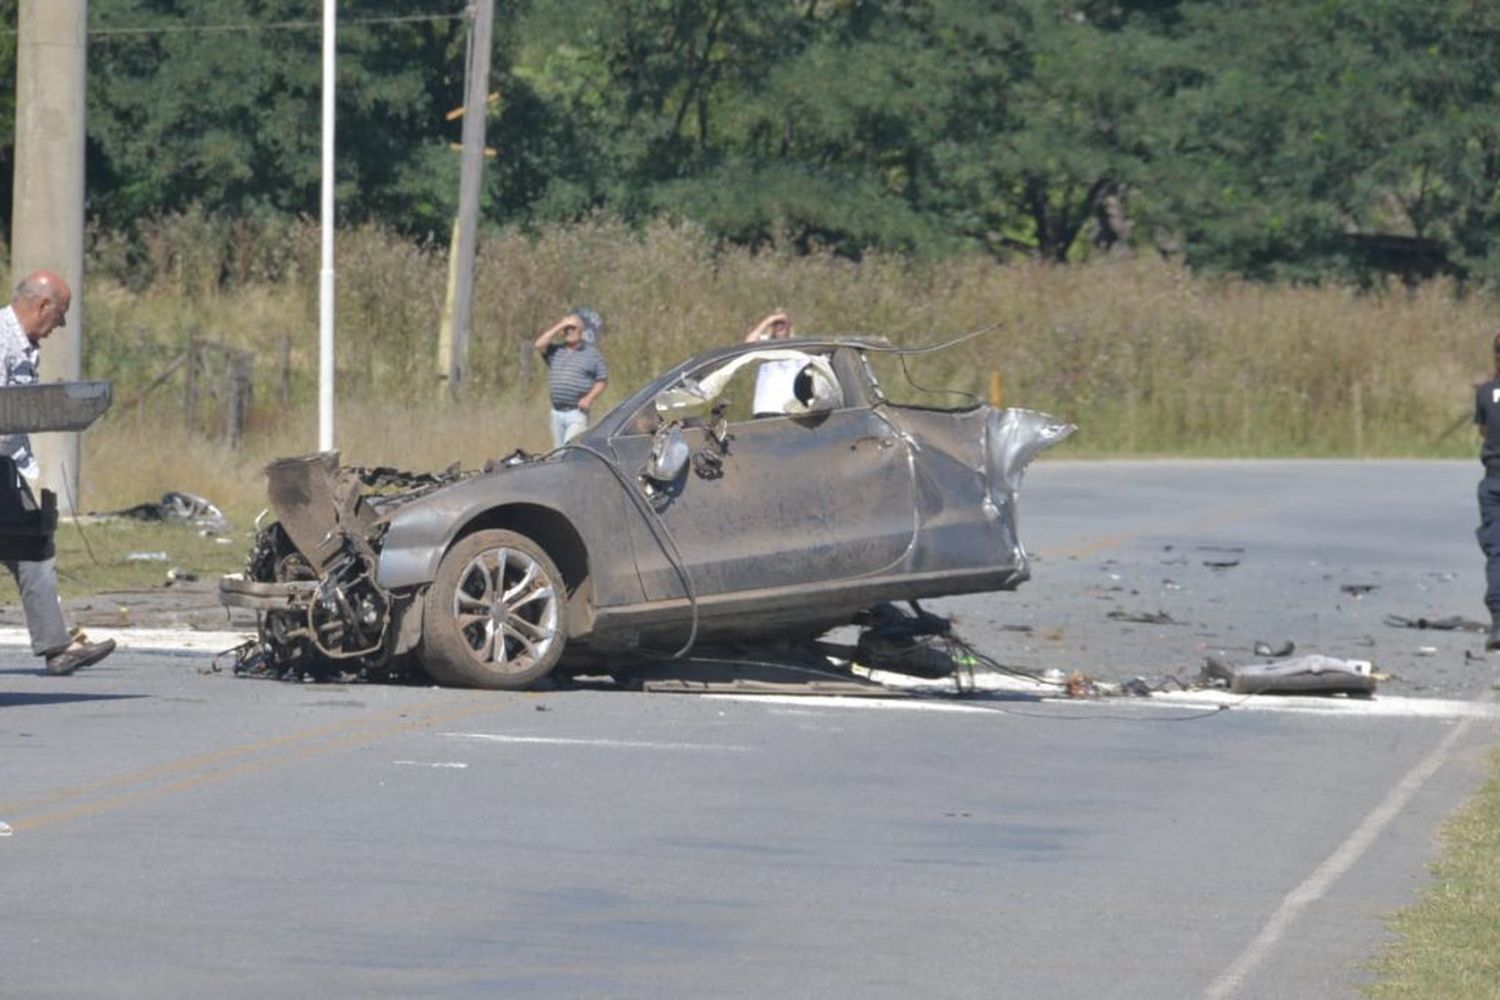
{"x": 576, "y": 372}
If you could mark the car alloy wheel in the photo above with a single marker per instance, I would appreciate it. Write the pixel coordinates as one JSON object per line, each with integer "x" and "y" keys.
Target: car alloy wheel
{"x": 496, "y": 616}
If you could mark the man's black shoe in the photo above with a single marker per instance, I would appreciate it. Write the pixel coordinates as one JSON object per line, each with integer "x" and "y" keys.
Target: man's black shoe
{"x": 78, "y": 655}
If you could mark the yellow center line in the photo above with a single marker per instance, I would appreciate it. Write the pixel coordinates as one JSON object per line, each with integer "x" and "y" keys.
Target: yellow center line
{"x": 300, "y": 746}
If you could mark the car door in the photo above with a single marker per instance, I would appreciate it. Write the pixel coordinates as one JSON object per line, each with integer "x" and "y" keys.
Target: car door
{"x": 786, "y": 501}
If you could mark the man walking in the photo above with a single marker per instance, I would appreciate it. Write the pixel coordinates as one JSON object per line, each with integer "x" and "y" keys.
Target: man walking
{"x": 40, "y": 305}
{"x": 576, "y": 372}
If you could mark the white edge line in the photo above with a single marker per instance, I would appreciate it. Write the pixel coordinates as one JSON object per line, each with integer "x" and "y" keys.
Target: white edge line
{"x": 424, "y": 763}
{"x": 1316, "y": 885}
{"x": 837, "y": 701}
{"x": 613, "y": 744}
{"x": 1349, "y": 708}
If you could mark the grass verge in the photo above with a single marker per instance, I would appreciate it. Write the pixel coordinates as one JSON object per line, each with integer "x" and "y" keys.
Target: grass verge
{"x": 1449, "y": 942}
{"x": 98, "y": 557}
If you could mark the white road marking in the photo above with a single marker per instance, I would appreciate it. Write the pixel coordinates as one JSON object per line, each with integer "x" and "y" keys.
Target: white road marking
{"x": 834, "y": 701}
{"x": 175, "y": 639}
{"x": 1353, "y": 708}
{"x": 423, "y": 763}
{"x": 1344, "y": 857}
{"x": 613, "y": 744}
{"x": 1380, "y": 706}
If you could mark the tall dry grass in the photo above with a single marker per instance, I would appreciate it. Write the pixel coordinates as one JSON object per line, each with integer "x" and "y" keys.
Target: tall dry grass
{"x": 1144, "y": 356}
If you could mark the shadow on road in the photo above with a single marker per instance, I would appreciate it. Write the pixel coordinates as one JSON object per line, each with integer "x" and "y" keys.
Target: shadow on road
{"x": 9, "y": 699}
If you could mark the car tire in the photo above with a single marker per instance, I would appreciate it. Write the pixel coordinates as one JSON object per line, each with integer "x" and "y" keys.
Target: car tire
{"x": 496, "y": 614}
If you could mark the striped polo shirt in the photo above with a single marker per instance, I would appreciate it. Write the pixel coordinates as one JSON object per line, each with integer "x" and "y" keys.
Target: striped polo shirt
{"x": 572, "y": 373}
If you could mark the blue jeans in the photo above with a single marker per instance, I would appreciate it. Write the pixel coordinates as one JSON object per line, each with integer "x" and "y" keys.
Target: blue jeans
{"x": 567, "y": 425}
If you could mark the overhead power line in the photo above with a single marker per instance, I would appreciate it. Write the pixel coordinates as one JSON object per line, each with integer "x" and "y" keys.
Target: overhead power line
{"x": 247, "y": 27}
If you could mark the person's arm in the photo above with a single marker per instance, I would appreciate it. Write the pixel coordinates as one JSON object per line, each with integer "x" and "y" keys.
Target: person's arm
{"x": 591, "y": 395}
{"x": 762, "y": 330}
{"x": 546, "y": 336}
{"x": 601, "y": 377}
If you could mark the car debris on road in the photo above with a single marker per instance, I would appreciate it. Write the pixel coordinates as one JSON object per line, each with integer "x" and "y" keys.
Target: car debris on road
{"x": 1302, "y": 675}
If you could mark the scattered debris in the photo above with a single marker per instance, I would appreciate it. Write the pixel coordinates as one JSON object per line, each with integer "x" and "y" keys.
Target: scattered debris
{"x": 179, "y": 575}
{"x": 5, "y": 830}
{"x": 1144, "y": 617}
{"x": 1080, "y": 686}
{"x": 1221, "y": 563}
{"x": 177, "y": 507}
{"x": 1313, "y": 674}
{"x": 1427, "y": 650}
{"x": 1240, "y": 549}
{"x": 1452, "y": 622}
{"x": 894, "y": 640}
{"x": 1285, "y": 648}
{"x": 147, "y": 557}
{"x": 1358, "y": 590}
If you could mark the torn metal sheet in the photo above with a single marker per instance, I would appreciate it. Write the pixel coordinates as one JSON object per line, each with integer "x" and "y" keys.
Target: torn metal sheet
{"x": 679, "y": 518}
{"x": 1302, "y": 675}
{"x": 1447, "y": 623}
{"x": 1144, "y": 617}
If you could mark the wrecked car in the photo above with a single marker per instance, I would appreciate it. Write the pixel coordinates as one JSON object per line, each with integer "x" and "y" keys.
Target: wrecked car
{"x": 681, "y": 517}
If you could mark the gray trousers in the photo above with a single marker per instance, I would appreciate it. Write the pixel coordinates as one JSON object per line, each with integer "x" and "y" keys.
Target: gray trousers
{"x": 44, "y": 617}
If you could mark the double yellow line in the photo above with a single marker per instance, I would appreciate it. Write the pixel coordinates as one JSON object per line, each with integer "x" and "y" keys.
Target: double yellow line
{"x": 25, "y": 815}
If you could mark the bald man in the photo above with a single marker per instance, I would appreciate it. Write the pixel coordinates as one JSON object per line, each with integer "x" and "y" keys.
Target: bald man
{"x": 39, "y": 306}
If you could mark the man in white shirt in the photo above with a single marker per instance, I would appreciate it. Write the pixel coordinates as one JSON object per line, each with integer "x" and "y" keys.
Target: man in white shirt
{"x": 775, "y": 380}
{"x": 40, "y": 305}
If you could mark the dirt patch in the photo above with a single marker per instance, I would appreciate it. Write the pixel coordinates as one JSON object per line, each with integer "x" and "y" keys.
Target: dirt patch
{"x": 193, "y": 605}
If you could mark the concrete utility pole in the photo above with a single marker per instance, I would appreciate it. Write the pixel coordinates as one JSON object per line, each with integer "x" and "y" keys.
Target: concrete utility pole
{"x": 458, "y": 321}
{"x": 47, "y": 212}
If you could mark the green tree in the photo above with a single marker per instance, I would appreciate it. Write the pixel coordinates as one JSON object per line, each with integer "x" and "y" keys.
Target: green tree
{"x": 1345, "y": 121}
{"x": 217, "y": 103}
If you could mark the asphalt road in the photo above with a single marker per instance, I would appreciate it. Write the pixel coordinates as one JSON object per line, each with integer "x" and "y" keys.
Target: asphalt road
{"x": 176, "y": 832}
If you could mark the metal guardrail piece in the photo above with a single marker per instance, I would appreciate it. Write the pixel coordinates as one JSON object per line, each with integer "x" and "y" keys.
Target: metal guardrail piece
{"x": 52, "y": 406}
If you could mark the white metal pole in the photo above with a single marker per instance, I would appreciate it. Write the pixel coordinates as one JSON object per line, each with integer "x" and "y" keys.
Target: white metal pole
{"x": 325, "y": 275}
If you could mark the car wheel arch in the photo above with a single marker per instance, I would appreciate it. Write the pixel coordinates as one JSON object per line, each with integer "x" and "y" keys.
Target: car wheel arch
{"x": 547, "y": 527}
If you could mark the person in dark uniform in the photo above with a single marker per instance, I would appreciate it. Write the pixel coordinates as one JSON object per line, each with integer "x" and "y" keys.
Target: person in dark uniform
{"x": 1487, "y": 419}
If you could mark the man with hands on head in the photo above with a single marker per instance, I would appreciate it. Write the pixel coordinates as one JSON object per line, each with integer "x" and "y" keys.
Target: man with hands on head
{"x": 774, "y": 380}
{"x": 576, "y": 372}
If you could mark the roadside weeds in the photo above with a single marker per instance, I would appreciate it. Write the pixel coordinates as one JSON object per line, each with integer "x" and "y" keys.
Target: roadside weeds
{"x": 1449, "y": 942}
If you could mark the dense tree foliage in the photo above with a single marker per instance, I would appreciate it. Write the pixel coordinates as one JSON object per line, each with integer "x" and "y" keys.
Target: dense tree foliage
{"x": 1287, "y": 138}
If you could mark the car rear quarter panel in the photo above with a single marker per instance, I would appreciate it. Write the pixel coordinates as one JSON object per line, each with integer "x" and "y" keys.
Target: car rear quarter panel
{"x": 959, "y": 530}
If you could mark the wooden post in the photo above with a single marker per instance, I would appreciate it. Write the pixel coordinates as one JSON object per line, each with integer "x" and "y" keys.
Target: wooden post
{"x": 284, "y": 372}
{"x": 1358, "y": 406}
{"x": 1244, "y": 422}
{"x": 190, "y": 388}
{"x": 238, "y": 376}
